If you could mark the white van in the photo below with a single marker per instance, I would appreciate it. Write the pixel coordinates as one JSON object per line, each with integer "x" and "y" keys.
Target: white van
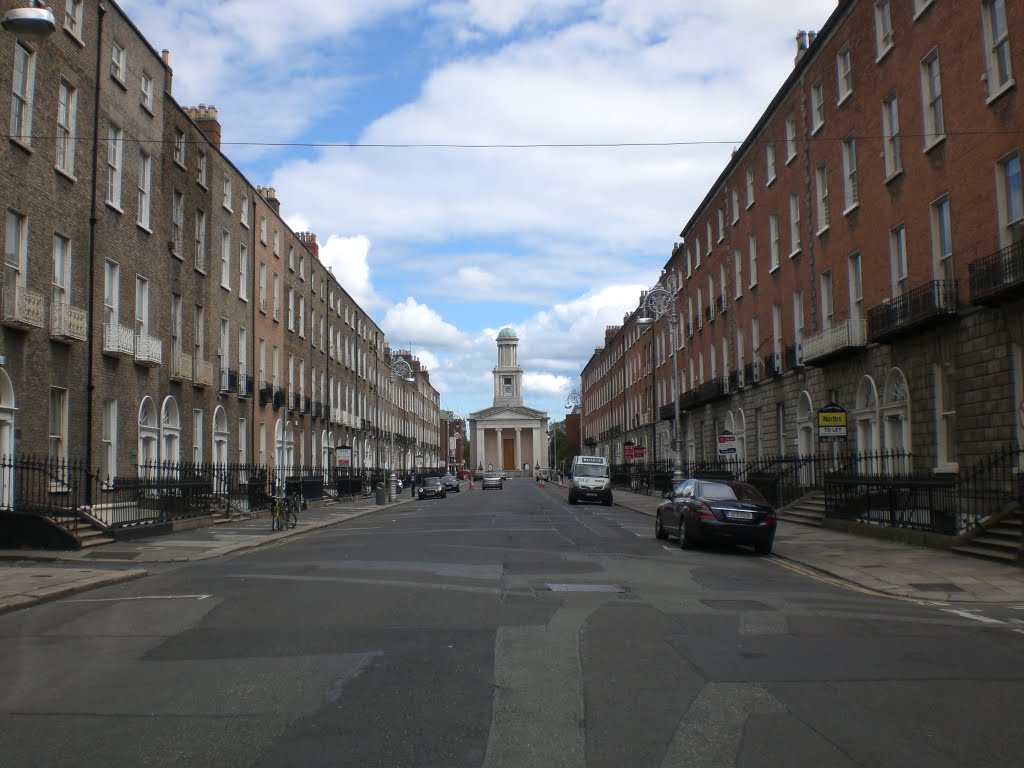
{"x": 591, "y": 480}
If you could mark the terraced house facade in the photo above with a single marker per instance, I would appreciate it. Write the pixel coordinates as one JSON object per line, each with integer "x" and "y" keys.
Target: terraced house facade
{"x": 156, "y": 308}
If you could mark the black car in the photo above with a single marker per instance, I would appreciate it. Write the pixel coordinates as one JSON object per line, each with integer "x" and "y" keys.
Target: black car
{"x": 451, "y": 483}
{"x": 703, "y": 510}
{"x": 431, "y": 487}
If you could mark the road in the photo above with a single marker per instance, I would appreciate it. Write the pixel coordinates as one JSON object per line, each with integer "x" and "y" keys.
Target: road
{"x": 435, "y": 635}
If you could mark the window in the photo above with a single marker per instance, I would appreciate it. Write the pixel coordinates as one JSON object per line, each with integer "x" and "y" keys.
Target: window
{"x": 263, "y": 287}
{"x": 721, "y": 225}
{"x": 61, "y": 277}
{"x": 67, "y": 118}
{"x": 821, "y": 188}
{"x": 769, "y": 164}
{"x": 200, "y": 240}
{"x": 891, "y": 137}
{"x": 115, "y": 156}
{"x": 291, "y": 309}
{"x": 735, "y": 205}
{"x": 773, "y": 240}
{"x": 898, "y": 260}
{"x": 243, "y": 440}
{"x": 243, "y": 272}
{"x": 141, "y": 306}
{"x": 753, "y": 261}
{"x": 997, "y": 47}
{"x": 111, "y": 291}
{"x": 302, "y": 316}
{"x": 197, "y": 436}
{"x": 224, "y": 351}
{"x": 179, "y": 147}
{"x": 145, "y": 185}
{"x": 201, "y": 169}
{"x": 23, "y": 94}
{"x": 798, "y": 316}
{"x": 707, "y": 237}
{"x": 794, "y": 224}
{"x": 931, "y": 100}
{"x": 263, "y": 230}
{"x": 777, "y": 331}
{"x": 750, "y": 187}
{"x": 1011, "y": 201}
{"x": 226, "y": 199}
{"x": 277, "y": 250}
{"x": 849, "y": 174}
{"x": 73, "y": 13}
{"x": 178, "y": 223}
{"x": 199, "y": 331}
{"x": 302, "y": 266}
{"x": 277, "y": 299}
{"x": 883, "y": 28}
{"x": 920, "y": 6}
{"x": 146, "y": 88}
{"x": 738, "y": 265}
{"x": 225, "y": 260}
{"x": 844, "y": 73}
{"x": 827, "y": 310}
{"x": 176, "y": 340}
{"x": 945, "y": 416}
{"x": 108, "y": 450}
{"x": 245, "y": 211}
{"x": 117, "y": 63}
{"x": 16, "y": 250}
{"x": 790, "y": 139}
{"x": 856, "y": 289}
{"x": 58, "y": 423}
{"x": 817, "y": 106}
{"x": 942, "y": 246}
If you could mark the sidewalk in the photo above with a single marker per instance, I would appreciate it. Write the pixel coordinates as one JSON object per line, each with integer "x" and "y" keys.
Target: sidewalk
{"x": 889, "y": 568}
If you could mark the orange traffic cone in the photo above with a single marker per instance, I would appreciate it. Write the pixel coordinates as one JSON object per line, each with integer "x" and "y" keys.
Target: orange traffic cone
{"x": 542, "y": 482}
{"x": 471, "y": 483}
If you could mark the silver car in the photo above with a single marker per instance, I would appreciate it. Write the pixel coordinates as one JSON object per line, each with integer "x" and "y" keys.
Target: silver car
{"x": 491, "y": 480}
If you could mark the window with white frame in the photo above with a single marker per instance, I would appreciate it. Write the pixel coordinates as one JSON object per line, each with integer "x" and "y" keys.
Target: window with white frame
{"x": 302, "y": 267}
{"x": 856, "y": 288}
{"x": 821, "y": 194}
{"x": 997, "y": 47}
{"x": 263, "y": 230}
{"x": 291, "y": 309}
{"x": 200, "y": 240}
{"x": 58, "y": 423}
{"x": 752, "y": 250}
{"x": 243, "y": 440}
{"x": 794, "y": 224}
{"x": 798, "y": 316}
{"x": 245, "y": 211}
{"x": 302, "y": 316}
{"x": 61, "y": 276}
{"x": 197, "y": 435}
{"x": 790, "y": 139}
{"x": 118, "y": 62}
{"x": 750, "y": 187}
{"x": 891, "y": 137}
{"x": 696, "y": 252}
{"x": 74, "y": 16}
{"x": 277, "y": 249}
{"x": 199, "y": 332}
{"x": 201, "y": 169}
{"x": 146, "y": 92}
{"x": 850, "y": 194}
{"x": 721, "y": 225}
{"x": 23, "y": 93}
{"x": 224, "y": 350}
{"x": 883, "y": 28}
{"x": 738, "y": 264}
{"x": 844, "y": 73}
{"x": 115, "y": 161}
{"x": 276, "y": 286}
{"x": 243, "y": 272}
{"x": 707, "y": 238}
{"x": 827, "y": 310}
{"x": 773, "y": 240}
{"x": 111, "y": 291}
{"x": 179, "y": 147}
{"x": 108, "y": 442}
{"x": 226, "y": 197}
{"x": 777, "y": 332}
{"x": 722, "y": 284}
{"x": 16, "y": 250}
{"x": 769, "y": 164}
{"x": 817, "y": 106}
{"x": 1010, "y": 201}
{"x": 178, "y": 223}
{"x": 141, "y": 306}
{"x": 898, "y": 260}
{"x": 145, "y": 183}
{"x": 942, "y": 245}
{"x": 225, "y": 259}
{"x": 176, "y": 323}
{"x": 67, "y": 119}
{"x": 735, "y": 205}
{"x": 945, "y": 415}
{"x": 263, "y": 287}
{"x": 931, "y": 100}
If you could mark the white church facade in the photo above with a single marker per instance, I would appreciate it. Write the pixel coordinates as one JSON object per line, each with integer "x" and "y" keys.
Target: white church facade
{"x": 508, "y": 435}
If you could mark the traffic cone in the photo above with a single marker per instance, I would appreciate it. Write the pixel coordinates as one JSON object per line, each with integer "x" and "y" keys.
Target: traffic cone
{"x": 471, "y": 483}
{"x": 542, "y": 482}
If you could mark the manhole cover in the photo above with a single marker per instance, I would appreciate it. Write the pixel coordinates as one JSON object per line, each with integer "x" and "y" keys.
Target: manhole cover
{"x": 737, "y": 605}
{"x": 584, "y": 588}
{"x": 936, "y": 586}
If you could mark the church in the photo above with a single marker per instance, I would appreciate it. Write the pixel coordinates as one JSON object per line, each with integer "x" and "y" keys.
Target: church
{"x": 508, "y": 436}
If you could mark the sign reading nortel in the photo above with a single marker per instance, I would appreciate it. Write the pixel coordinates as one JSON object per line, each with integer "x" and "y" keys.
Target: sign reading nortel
{"x": 832, "y": 424}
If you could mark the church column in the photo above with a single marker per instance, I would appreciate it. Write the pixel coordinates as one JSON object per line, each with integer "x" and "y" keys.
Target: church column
{"x": 480, "y": 453}
{"x": 499, "y": 461}
{"x": 537, "y": 460}
{"x": 519, "y": 448}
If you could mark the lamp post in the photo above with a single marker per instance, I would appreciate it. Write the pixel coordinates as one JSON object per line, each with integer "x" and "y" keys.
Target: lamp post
{"x": 401, "y": 369}
{"x": 659, "y": 301}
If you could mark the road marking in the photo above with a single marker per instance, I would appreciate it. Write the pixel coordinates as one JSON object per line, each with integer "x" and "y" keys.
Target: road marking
{"x": 835, "y": 582}
{"x": 140, "y": 597}
{"x": 975, "y": 616}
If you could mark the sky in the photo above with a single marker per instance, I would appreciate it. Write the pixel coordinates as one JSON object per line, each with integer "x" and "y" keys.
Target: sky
{"x": 466, "y": 165}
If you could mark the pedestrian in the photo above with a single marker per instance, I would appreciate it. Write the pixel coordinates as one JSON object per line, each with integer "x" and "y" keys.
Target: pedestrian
{"x": 412, "y": 485}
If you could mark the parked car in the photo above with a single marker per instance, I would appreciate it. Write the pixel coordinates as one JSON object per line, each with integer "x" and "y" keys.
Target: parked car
{"x": 504, "y": 475}
{"x": 431, "y": 487}
{"x": 463, "y": 474}
{"x": 492, "y": 480}
{"x": 699, "y": 510}
{"x": 478, "y": 475}
{"x": 451, "y": 483}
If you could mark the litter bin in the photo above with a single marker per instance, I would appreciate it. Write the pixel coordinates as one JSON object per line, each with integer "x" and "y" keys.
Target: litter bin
{"x": 382, "y": 494}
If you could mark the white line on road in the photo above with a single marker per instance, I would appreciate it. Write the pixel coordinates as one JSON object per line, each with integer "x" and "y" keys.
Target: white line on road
{"x": 140, "y": 597}
{"x": 975, "y": 616}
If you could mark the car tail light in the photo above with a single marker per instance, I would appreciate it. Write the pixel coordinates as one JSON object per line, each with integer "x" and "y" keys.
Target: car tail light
{"x": 704, "y": 511}
{"x": 770, "y": 519}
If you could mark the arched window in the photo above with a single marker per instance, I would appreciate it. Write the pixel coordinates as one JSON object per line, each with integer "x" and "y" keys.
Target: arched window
{"x": 170, "y": 431}
{"x": 865, "y": 414}
{"x": 7, "y": 409}
{"x": 149, "y": 437}
{"x": 896, "y": 418}
{"x": 220, "y": 449}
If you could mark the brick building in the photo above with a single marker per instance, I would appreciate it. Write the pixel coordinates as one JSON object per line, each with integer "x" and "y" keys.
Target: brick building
{"x": 158, "y": 308}
{"x": 862, "y": 247}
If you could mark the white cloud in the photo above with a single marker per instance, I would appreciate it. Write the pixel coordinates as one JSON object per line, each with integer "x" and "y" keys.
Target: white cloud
{"x": 419, "y": 325}
{"x": 348, "y": 258}
{"x": 545, "y": 384}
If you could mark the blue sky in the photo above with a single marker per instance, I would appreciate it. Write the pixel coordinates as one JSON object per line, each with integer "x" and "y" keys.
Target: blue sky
{"x": 443, "y": 247}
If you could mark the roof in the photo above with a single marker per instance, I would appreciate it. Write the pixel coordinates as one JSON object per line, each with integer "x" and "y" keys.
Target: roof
{"x": 507, "y": 333}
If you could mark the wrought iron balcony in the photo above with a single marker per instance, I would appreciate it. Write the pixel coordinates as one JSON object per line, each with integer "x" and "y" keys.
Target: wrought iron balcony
{"x": 279, "y": 397}
{"x": 228, "y": 380}
{"x": 118, "y": 340}
{"x": 277, "y": 314}
{"x": 998, "y": 277}
{"x": 202, "y": 373}
{"x": 935, "y": 300}
{"x": 244, "y": 385}
{"x": 149, "y": 352}
{"x": 307, "y": 404}
{"x": 181, "y": 366}
{"x": 705, "y": 393}
{"x": 67, "y": 323}
{"x": 842, "y": 338}
{"x": 773, "y": 365}
{"x": 294, "y": 400}
{"x": 22, "y": 308}
{"x": 263, "y": 304}
{"x": 752, "y": 372}
{"x": 737, "y": 380}
{"x": 318, "y": 409}
{"x": 266, "y": 393}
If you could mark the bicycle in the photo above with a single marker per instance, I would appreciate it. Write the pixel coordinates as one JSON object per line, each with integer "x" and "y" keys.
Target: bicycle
{"x": 283, "y": 514}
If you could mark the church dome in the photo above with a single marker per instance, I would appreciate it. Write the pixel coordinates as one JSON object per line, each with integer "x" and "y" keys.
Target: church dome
{"x": 506, "y": 333}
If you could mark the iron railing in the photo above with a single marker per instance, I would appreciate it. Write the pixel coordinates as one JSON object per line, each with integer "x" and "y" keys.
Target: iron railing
{"x": 918, "y": 306}
{"x": 997, "y": 276}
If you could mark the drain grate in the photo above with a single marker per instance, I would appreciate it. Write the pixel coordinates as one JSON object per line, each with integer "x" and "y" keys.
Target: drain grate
{"x": 584, "y": 588}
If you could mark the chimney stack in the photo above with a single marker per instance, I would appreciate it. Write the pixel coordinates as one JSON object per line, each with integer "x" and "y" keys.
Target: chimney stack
{"x": 801, "y": 46}
{"x": 309, "y": 240}
{"x": 206, "y": 118}
{"x": 168, "y": 72}
{"x": 270, "y": 195}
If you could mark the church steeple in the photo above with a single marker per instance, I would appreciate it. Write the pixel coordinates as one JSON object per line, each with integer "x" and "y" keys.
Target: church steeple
{"x": 508, "y": 376}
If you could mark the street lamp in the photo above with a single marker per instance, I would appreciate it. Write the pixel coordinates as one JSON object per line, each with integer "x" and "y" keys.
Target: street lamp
{"x": 659, "y": 301}
{"x": 400, "y": 369}
{"x": 34, "y": 24}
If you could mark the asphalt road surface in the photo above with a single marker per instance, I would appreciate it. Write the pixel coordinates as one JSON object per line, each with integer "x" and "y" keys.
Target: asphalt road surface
{"x": 435, "y": 635}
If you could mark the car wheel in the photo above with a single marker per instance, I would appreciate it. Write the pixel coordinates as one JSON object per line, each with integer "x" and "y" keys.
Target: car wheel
{"x": 659, "y": 530}
{"x": 764, "y": 548}
{"x": 572, "y": 499}
{"x": 421, "y": 497}
{"x": 686, "y": 539}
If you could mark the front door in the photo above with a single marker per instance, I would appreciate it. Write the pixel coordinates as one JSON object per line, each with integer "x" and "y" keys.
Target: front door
{"x": 508, "y": 453}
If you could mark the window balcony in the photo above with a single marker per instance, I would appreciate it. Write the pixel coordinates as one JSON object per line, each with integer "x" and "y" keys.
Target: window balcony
{"x": 202, "y": 373}
{"x": 149, "y": 352}
{"x": 705, "y": 393}
{"x": 67, "y": 323}
{"x": 118, "y": 340}
{"x": 228, "y": 380}
{"x": 279, "y": 398}
{"x": 998, "y": 277}
{"x": 22, "y": 308}
{"x": 722, "y": 306}
{"x": 843, "y": 338}
{"x": 709, "y": 312}
{"x": 752, "y": 371}
{"x": 181, "y": 365}
{"x": 266, "y": 393}
{"x": 244, "y": 385}
{"x": 307, "y": 404}
{"x": 773, "y": 365}
{"x": 318, "y": 409}
{"x": 277, "y": 314}
{"x": 294, "y": 401}
{"x": 917, "y": 308}
{"x": 795, "y": 356}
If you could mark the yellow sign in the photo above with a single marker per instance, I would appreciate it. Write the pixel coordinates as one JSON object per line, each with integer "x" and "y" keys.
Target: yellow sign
{"x": 831, "y": 419}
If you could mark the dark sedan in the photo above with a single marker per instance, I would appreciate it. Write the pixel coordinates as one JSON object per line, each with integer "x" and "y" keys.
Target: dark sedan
{"x": 431, "y": 487}
{"x": 451, "y": 483}
{"x": 703, "y": 510}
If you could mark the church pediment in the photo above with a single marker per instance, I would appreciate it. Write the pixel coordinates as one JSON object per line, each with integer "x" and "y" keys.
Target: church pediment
{"x": 507, "y": 412}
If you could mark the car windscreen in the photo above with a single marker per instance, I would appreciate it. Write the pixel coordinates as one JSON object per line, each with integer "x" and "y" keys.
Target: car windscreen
{"x": 590, "y": 470}
{"x": 732, "y": 492}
